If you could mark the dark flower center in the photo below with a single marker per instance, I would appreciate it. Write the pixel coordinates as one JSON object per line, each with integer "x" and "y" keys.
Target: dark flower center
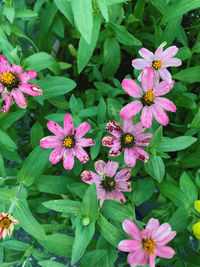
{"x": 149, "y": 245}
{"x": 148, "y": 98}
{"x": 9, "y": 80}
{"x": 69, "y": 141}
{"x": 127, "y": 140}
{"x": 108, "y": 184}
{"x": 5, "y": 223}
{"x": 157, "y": 64}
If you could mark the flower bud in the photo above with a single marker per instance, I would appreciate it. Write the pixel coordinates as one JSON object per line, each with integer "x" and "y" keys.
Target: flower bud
{"x": 86, "y": 221}
{"x": 196, "y": 230}
{"x": 197, "y": 205}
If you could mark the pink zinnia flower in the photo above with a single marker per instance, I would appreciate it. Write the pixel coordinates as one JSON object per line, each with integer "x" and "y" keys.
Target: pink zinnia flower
{"x": 6, "y": 224}
{"x": 129, "y": 139}
{"x": 149, "y": 100}
{"x": 109, "y": 185}
{"x": 13, "y": 84}
{"x": 159, "y": 61}
{"x": 147, "y": 244}
{"x": 67, "y": 142}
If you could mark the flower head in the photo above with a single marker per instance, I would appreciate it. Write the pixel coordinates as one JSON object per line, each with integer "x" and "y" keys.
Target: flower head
{"x": 14, "y": 82}
{"x": 197, "y": 205}
{"x": 67, "y": 142}
{"x": 159, "y": 61}
{"x": 128, "y": 139}
{"x": 6, "y": 224}
{"x": 196, "y": 230}
{"x": 148, "y": 243}
{"x": 109, "y": 185}
{"x": 149, "y": 100}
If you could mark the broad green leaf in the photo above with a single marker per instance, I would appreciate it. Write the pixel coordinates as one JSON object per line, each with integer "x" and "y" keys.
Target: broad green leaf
{"x": 33, "y": 165}
{"x": 196, "y": 121}
{"x": 94, "y": 150}
{"x": 47, "y": 18}
{"x": 103, "y": 8}
{"x": 88, "y": 112}
{"x": 184, "y": 53}
{"x": 9, "y": 12}
{"x": 10, "y": 155}
{"x": 25, "y": 13}
{"x": 189, "y": 75}
{"x": 113, "y": 2}
{"x": 114, "y": 107}
{"x": 143, "y": 192}
{"x": 6, "y": 140}
{"x": 65, "y": 7}
{"x": 89, "y": 207}
{"x": 36, "y": 134}
{"x": 57, "y": 117}
{"x": 180, "y": 220}
{"x": 175, "y": 144}
{"x": 16, "y": 245}
{"x": 50, "y": 263}
{"x": 2, "y": 168}
{"x": 92, "y": 257}
{"x": 156, "y": 138}
{"x": 191, "y": 161}
{"x": 62, "y": 205}
{"x": 160, "y": 5}
{"x": 9, "y": 118}
{"x": 83, "y": 17}
{"x": 106, "y": 89}
{"x": 188, "y": 187}
{"x": 77, "y": 188}
{"x": 101, "y": 111}
{"x": 155, "y": 168}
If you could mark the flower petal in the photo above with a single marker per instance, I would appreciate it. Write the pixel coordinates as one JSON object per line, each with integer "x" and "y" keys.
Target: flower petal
{"x": 165, "y": 74}
{"x": 163, "y": 230}
{"x": 136, "y": 258}
{"x": 163, "y": 88}
{"x": 165, "y": 103}
{"x": 170, "y": 52}
{"x": 6, "y": 102}
{"x": 81, "y": 154}
{"x": 56, "y": 155}
{"x": 111, "y": 168}
{"x": 123, "y": 175}
{"x": 114, "y": 128}
{"x": 131, "y": 109}
{"x": 146, "y": 54}
{"x": 160, "y": 115}
{"x": 127, "y": 125}
{"x": 171, "y": 62}
{"x": 118, "y": 196}
{"x": 110, "y": 141}
{"x": 1, "y": 88}
{"x": 84, "y": 142}
{"x": 27, "y": 75}
{"x": 50, "y": 142}
{"x": 100, "y": 166}
{"x": 128, "y": 245}
{"x": 141, "y": 153}
{"x": 166, "y": 239}
{"x": 146, "y": 117}
{"x": 152, "y": 224}
{"x": 4, "y": 65}
{"x": 138, "y": 129}
{"x": 16, "y": 69}
{"x": 140, "y": 64}
{"x": 132, "y": 88}
{"x": 82, "y": 129}
{"x": 158, "y": 54}
{"x": 30, "y": 89}
{"x": 130, "y": 157}
{"x": 143, "y": 139}
{"x": 123, "y": 186}
{"x": 116, "y": 150}
{"x": 131, "y": 229}
{"x": 4, "y": 232}
{"x": 148, "y": 78}
{"x": 152, "y": 258}
{"x": 19, "y": 98}
{"x": 56, "y": 129}
{"x": 89, "y": 177}
{"x": 164, "y": 252}
{"x": 68, "y": 124}
{"x": 68, "y": 159}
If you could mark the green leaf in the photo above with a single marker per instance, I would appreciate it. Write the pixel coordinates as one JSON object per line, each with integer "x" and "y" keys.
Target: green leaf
{"x": 103, "y": 8}
{"x": 180, "y": 220}
{"x": 6, "y": 140}
{"x": 191, "y": 161}
{"x": 86, "y": 50}
{"x": 33, "y": 165}
{"x": 88, "y": 112}
{"x": 143, "y": 192}
{"x": 196, "y": 121}
{"x": 89, "y": 207}
{"x": 156, "y": 138}
{"x": 9, "y": 12}
{"x": 83, "y": 17}
{"x": 65, "y": 7}
{"x": 83, "y": 236}
{"x": 92, "y": 257}
{"x": 101, "y": 111}
{"x": 188, "y": 187}
{"x": 50, "y": 263}
{"x": 123, "y": 36}
{"x": 184, "y": 53}
{"x": 114, "y": 107}
{"x": 155, "y": 168}
{"x": 175, "y": 144}
{"x": 15, "y": 245}
{"x": 36, "y": 134}
{"x": 189, "y": 75}
{"x": 9, "y": 118}
{"x": 62, "y": 205}
{"x": 2, "y": 168}
{"x": 25, "y": 13}
{"x": 113, "y": 2}
{"x": 94, "y": 150}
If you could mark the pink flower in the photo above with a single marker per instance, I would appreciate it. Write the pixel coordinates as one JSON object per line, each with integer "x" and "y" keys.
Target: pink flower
{"x": 6, "y": 224}
{"x": 13, "y": 84}
{"x": 149, "y": 100}
{"x": 147, "y": 244}
{"x": 159, "y": 61}
{"x": 129, "y": 139}
{"x": 67, "y": 142}
{"x": 109, "y": 185}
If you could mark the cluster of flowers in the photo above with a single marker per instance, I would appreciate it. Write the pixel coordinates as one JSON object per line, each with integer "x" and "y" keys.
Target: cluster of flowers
{"x": 69, "y": 142}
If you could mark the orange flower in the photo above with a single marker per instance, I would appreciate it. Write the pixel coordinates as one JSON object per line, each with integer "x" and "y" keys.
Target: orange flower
{"x": 6, "y": 224}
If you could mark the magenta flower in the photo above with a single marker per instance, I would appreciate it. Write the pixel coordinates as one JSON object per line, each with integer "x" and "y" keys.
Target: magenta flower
{"x": 109, "y": 185}
{"x": 67, "y": 142}
{"x": 13, "y": 84}
{"x": 129, "y": 139}
{"x": 147, "y": 244}
{"x": 149, "y": 100}
{"x": 6, "y": 224}
{"x": 159, "y": 61}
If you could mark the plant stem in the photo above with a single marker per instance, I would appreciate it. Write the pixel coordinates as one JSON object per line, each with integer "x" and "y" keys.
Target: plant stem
{"x": 16, "y": 198}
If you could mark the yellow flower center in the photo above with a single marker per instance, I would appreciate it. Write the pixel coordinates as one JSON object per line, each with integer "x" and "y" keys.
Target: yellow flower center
{"x": 112, "y": 183}
{"x": 68, "y": 142}
{"x": 157, "y": 64}
{"x": 128, "y": 139}
{"x": 149, "y": 246}
{"x": 5, "y": 223}
{"x": 7, "y": 78}
{"x": 149, "y": 97}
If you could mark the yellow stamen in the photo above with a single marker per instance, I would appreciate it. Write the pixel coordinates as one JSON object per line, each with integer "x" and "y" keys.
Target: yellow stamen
{"x": 149, "y": 97}
{"x": 128, "y": 138}
{"x": 157, "y": 64}
{"x": 67, "y": 141}
{"x": 111, "y": 183}
{"x": 5, "y": 223}
{"x": 7, "y": 78}
{"x": 149, "y": 246}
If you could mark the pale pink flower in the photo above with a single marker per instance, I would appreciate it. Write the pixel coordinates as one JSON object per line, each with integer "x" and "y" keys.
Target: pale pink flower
{"x": 67, "y": 142}
{"x": 129, "y": 139}
{"x": 159, "y": 61}
{"x": 14, "y": 82}
{"x": 149, "y": 100}
{"x": 109, "y": 185}
{"x": 6, "y": 224}
{"x": 148, "y": 243}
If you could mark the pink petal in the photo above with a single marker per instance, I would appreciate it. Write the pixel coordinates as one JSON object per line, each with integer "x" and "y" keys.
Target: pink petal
{"x": 50, "y": 142}
{"x": 165, "y": 103}
{"x": 146, "y": 117}
{"x": 164, "y": 252}
{"x": 16, "y": 69}
{"x": 152, "y": 224}
{"x": 170, "y": 52}
{"x": 166, "y": 239}
{"x": 56, "y": 155}
{"x": 110, "y": 141}
{"x": 68, "y": 159}
{"x": 123, "y": 186}
{"x": 6, "y": 102}
{"x": 84, "y": 142}
{"x": 163, "y": 88}
{"x": 82, "y": 129}
{"x": 130, "y": 157}
{"x": 30, "y": 89}
{"x": 116, "y": 150}
{"x": 171, "y": 62}
{"x": 163, "y": 230}
{"x": 132, "y": 88}
{"x": 118, "y": 196}
{"x": 68, "y": 124}
{"x": 165, "y": 74}
{"x": 152, "y": 258}
{"x": 128, "y": 125}
{"x": 27, "y": 75}
{"x": 100, "y": 166}
{"x": 4, "y": 232}
{"x": 160, "y": 115}
{"x": 131, "y": 229}
{"x": 141, "y": 153}
{"x": 4, "y": 65}
{"x": 123, "y": 175}
{"x": 143, "y": 139}
{"x": 1, "y": 88}
{"x": 114, "y": 128}
{"x": 56, "y": 129}
{"x": 81, "y": 154}
{"x": 1, "y": 232}
{"x": 146, "y": 54}
{"x": 131, "y": 109}
{"x": 138, "y": 257}
{"x": 19, "y": 98}
{"x": 158, "y": 54}
{"x": 89, "y": 177}
{"x": 140, "y": 64}
{"x": 148, "y": 78}
{"x": 111, "y": 168}
{"x": 146, "y": 233}
{"x": 138, "y": 129}
{"x": 128, "y": 245}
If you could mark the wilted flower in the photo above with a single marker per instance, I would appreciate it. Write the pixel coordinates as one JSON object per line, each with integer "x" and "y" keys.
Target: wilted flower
{"x": 159, "y": 61}
{"x": 129, "y": 139}
{"x": 148, "y": 243}
{"x": 109, "y": 185}
{"x": 13, "y": 84}
{"x": 67, "y": 142}
{"x": 149, "y": 100}
{"x": 6, "y": 224}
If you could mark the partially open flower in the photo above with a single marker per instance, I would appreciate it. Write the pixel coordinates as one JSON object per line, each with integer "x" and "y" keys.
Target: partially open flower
{"x": 6, "y": 224}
